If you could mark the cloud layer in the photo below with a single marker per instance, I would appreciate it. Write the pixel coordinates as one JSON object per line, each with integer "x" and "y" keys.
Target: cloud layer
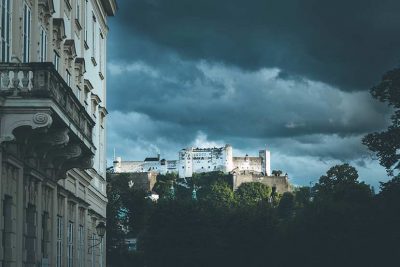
{"x": 290, "y": 75}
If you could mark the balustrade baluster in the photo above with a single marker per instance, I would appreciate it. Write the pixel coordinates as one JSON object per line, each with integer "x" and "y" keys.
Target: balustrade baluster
{"x": 41, "y": 80}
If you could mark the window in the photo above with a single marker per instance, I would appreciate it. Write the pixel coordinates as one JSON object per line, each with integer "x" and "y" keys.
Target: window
{"x": 101, "y": 47}
{"x": 81, "y": 238}
{"x": 56, "y": 60}
{"x": 94, "y": 34}
{"x": 70, "y": 240}
{"x": 60, "y": 230}
{"x": 68, "y": 78}
{"x": 86, "y": 20}
{"x": 27, "y": 33}
{"x": 5, "y": 30}
{"x": 7, "y": 228}
{"x": 78, "y": 93}
{"x": 45, "y": 234}
{"x": 78, "y": 10}
{"x": 30, "y": 234}
{"x": 43, "y": 45}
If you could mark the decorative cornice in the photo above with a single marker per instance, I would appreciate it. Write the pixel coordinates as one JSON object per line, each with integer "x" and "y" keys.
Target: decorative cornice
{"x": 88, "y": 85}
{"x": 95, "y": 98}
{"x": 69, "y": 48}
{"x": 59, "y": 30}
{"x": 80, "y": 65}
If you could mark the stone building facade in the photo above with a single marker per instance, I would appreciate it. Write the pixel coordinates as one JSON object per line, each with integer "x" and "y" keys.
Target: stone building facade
{"x": 281, "y": 182}
{"x": 156, "y": 165}
{"x": 52, "y": 131}
{"x": 198, "y": 160}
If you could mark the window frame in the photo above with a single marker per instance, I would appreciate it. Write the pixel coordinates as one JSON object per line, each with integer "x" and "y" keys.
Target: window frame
{"x": 5, "y": 30}
{"x": 27, "y": 28}
{"x": 43, "y": 45}
{"x": 60, "y": 233}
{"x": 56, "y": 60}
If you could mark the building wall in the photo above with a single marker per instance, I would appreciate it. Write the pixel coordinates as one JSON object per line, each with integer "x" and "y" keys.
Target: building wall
{"x": 142, "y": 180}
{"x": 41, "y": 216}
{"x": 198, "y": 160}
{"x": 281, "y": 183}
{"x": 159, "y": 166}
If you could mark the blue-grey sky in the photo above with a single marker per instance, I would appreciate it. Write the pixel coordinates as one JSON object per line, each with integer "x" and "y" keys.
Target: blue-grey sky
{"x": 290, "y": 75}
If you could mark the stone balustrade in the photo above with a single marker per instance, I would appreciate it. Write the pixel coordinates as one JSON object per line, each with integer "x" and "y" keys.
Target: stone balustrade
{"x": 41, "y": 81}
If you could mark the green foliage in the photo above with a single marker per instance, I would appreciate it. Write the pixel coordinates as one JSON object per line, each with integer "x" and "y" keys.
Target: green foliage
{"x": 341, "y": 183}
{"x": 276, "y": 172}
{"x": 387, "y": 143}
{"x": 343, "y": 222}
{"x": 207, "y": 178}
{"x": 286, "y": 205}
{"x": 302, "y": 196}
{"x": 252, "y": 193}
{"x": 164, "y": 183}
{"x": 127, "y": 214}
{"x": 218, "y": 193}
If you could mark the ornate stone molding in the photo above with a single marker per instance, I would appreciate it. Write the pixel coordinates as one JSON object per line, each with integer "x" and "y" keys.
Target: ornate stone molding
{"x": 46, "y": 10}
{"x": 57, "y": 137}
{"x": 10, "y": 122}
{"x": 61, "y": 160}
{"x": 59, "y": 31}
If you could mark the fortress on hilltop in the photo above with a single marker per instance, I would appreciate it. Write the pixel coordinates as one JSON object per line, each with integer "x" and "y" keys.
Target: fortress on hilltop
{"x": 198, "y": 160}
{"x": 201, "y": 160}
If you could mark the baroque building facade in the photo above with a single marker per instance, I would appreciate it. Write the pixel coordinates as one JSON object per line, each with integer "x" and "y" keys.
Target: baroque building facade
{"x": 52, "y": 131}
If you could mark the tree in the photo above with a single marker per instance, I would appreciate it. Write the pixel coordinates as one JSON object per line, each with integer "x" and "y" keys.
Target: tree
{"x": 302, "y": 196}
{"x": 164, "y": 183}
{"x": 386, "y": 144}
{"x": 218, "y": 193}
{"x": 286, "y": 205}
{"x": 252, "y": 193}
{"x": 341, "y": 183}
{"x": 276, "y": 172}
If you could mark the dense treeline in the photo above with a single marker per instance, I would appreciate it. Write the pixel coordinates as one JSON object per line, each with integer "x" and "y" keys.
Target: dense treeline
{"x": 340, "y": 221}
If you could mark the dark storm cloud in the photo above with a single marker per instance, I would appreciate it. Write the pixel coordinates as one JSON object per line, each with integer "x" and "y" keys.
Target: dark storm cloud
{"x": 225, "y": 101}
{"x": 348, "y": 44}
{"x": 290, "y": 75}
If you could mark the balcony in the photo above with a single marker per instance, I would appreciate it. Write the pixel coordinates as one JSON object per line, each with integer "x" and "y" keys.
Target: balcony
{"x": 35, "y": 95}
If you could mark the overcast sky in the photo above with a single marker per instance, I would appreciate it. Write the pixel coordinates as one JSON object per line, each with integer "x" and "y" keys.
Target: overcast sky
{"x": 290, "y": 75}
